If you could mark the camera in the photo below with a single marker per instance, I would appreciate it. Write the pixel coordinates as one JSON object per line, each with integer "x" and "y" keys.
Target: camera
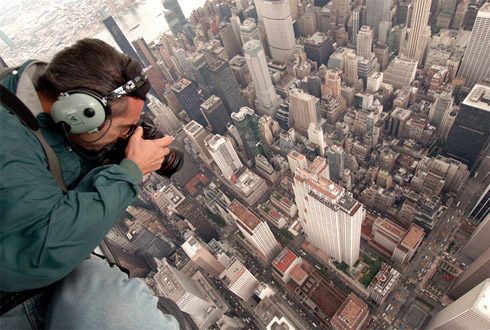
{"x": 172, "y": 162}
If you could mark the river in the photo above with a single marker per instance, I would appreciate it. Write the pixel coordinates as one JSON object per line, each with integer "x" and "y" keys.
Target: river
{"x": 146, "y": 20}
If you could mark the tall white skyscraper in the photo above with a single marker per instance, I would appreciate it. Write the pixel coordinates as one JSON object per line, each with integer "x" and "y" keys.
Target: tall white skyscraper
{"x": 224, "y": 155}
{"x": 471, "y": 311}
{"x": 365, "y": 42}
{"x": 239, "y": 280}
{"x": 330, "y": 217}
{"x": 276, "y": 15}
{"x": 418, "y": 39}
{"x": 197, "y": 134}
{"x": 475, "y": 64}
{"x": 303, "y": 108}
{"x": 164, "y": 115}
{"x": 267, "y": 102}
{"x": 255, "y": 230}
{"x": 182, "y": 290}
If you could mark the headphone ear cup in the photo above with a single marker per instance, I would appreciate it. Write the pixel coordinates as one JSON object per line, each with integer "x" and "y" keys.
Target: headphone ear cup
{"x": 83, "y": 112}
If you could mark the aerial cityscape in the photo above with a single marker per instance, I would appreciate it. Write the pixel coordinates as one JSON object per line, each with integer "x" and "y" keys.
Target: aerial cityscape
{"x": 336, "y": 156}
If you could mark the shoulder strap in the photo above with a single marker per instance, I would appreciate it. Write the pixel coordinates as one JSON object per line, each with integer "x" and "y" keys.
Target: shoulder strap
{"x": 17, "y": 107}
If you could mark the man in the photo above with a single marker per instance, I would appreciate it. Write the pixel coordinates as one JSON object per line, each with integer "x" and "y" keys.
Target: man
{"x": 46, "y": 236}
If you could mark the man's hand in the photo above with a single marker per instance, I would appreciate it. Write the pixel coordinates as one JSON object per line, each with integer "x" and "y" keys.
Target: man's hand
{"x": 147, "y": 154}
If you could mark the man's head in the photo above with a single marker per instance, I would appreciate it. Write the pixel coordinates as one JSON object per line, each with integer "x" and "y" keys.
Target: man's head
{"x": 94, "y": 66}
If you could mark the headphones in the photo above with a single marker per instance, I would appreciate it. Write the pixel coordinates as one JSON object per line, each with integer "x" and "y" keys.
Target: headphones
{"x": 83, "y": 110}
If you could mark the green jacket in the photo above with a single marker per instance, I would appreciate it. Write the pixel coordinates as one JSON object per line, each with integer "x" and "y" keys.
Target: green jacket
{"x": 45, "y": 234}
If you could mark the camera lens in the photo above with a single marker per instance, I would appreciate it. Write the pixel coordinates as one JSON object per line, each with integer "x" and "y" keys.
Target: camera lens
{"x": 172, "y": 163}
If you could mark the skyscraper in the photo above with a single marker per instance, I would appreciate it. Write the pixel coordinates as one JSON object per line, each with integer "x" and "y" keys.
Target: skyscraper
{"x": 276, "y": 15}
{"x": 225, "y": 85}
{"x": 229, "y": 40}
{"x": 440, "y": 107}
{"x": 478, "y": 241}
{"x": 216, "y": 115}
{"x": 304, "y": 109}
{"x": 365, "y": 42}
{"x": 165, "y": 117}
{"x": 186, "y": 93}
{"x": 417, "y": 40}
{"x": 256, "y": 231}
{"x": 268, "y": 101}
{"x": 197, "y": 135}
{"x": 173, "y": 22}
{"x": 482, "y": 207}
{"x": 330, "y": 217}
{"x": 199, "y": 252}
{"x": 358, "y": 20}
{"x": 246, "y": 123}
{"x": 248, "y": 30}
{"x": 476, "y": 273}
{"x": 475, "y": 64}
{"x": 318, "y": 48}
{"x": 335, "y": 162}
{"x": 377, "y": 11}
{"x": 119, "y": 37}
{"x": 181, "y": 289}
{"x": 239, "y": 280}
{"x": 470, "y": 132}
{"x": 339, "y": 13}
{"x": 175, "y": 7}
{"x": 224, "y": 155}
{"x": 468, "y": 312}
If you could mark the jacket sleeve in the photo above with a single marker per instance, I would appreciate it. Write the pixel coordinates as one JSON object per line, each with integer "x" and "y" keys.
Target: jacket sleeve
{"x": 44, "y": 233}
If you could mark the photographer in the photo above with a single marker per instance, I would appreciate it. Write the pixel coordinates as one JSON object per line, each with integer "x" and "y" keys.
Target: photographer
{"x": 47, "y": 235}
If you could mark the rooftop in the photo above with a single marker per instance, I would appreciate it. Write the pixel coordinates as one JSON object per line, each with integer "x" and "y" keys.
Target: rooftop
{"x": 284, "y": 260}
{"x": 479, "y": 97}
{"x": 414, "y": 235}
{"x": 246, "y": 217}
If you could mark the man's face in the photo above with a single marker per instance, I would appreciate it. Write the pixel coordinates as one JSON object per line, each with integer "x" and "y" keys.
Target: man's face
{"x": 121, "y": 126}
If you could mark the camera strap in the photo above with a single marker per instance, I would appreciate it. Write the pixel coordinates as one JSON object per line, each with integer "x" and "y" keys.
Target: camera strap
{"x": 17, "y": 107}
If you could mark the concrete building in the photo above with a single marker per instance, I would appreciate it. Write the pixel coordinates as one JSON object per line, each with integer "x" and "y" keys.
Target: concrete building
{"x": 268, "y": 101}
{"x": 239, "y": 280}
{"x": 400, "y": 72}
{"x": 197, "y": 135}
{"x": 224, "y": 155}
{"x": 225, "y": 85}
{"x": 364, "y": 43}
{"x": 352, "y": 315}
{"x": 276, "y": 15}
{"x": 186, "y": 93}
{"x": 199, "y": 252}
{"x": 482, "y": 207}
{"x": 337, "y": 234}
{"x": 318, "y": 48}
{"x": 248, "y": 30}
{"x": 385, "y": 236}
{"x": 339, "y": 13}
{"x": 377, "y": 11}
{"x": 304, "y": 109}
{"x": 468, "y": 312}
{"x": 296, "y": 160}
{"x": 256, "y": 231}
{"x": 215, "y": 114}
{"x": 182, "y": 290}
{"x": 164, "y": 116}
{"x": 228, "y": 38}
{"x": 384, "y": 282}
{"x": 273, "y": 313}
{"x": 418, "y": 39}
{"x": 476, "y": 273}
{"x": 358, "y": 19}
{"x": 442, "y": 105}
{"x": 478, "y": 242}
{"x": 475, "y": 64}
{"x": 406, "y": 249}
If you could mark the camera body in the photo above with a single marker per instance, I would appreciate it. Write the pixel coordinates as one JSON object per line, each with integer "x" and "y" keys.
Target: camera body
{"x": 172, "y": 162}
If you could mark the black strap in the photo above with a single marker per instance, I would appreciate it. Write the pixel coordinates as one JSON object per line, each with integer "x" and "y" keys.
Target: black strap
{"x": 9, "y": 300}
{"x": 17, "y": 107}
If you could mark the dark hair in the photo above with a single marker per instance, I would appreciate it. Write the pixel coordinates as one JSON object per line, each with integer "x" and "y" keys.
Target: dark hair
{"x": 89, "y": 63}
